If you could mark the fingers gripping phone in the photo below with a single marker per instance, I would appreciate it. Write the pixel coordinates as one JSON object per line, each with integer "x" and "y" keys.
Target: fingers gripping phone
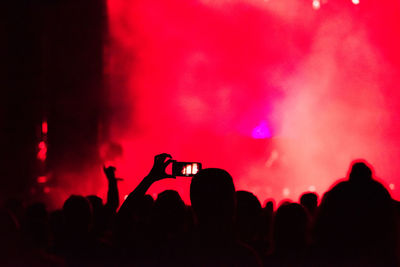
{"x": 186, "y": 169}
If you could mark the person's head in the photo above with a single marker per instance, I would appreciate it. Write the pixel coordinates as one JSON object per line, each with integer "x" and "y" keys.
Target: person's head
{"x": 169, "y": 211}
{"x": 96, "y": 202}
{"x": 356, "y": 218}
{"x": 248, "y": 215}
{"x": 290, "y": 227}
{"x": 270, "y": 205}
{"x": 248, "y": 204}
{"x": 77, "y": 213}
{"x": 212, "y": 194}
{"x": 360, "y": 172}
{"x": 309, "y": 201}
{"x": 100, "y": 220}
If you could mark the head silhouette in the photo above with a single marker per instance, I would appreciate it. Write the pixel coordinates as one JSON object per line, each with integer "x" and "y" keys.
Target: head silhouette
{"x": 290, "y": 227}
{"x": 247, "y": 204}
{"x": 360, "y": 172}
{"x": 212, "y": 194}
{"x": 309, "y": 202}
{"x": 356, "y": 218}
{"x": 96, "y": 202}
{"x": 248, "y": 215}
{"x": 78, "y": 214}
{"x": 169, "y": 212}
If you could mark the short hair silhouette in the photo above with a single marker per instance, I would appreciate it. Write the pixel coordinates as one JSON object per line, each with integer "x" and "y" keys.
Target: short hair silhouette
{"x": 169, "y": 211}
{"x": 360, "y": 172}
{"x": 290, "y": 227}
{"x": 248, "y": 217}
{"x": 309, "y": 201}
{"x": 356, "y": 221}
{"x": 212, "y": 194}
{"x": 78, "y": 213}
{"x": 248, "y": 204}
{"x": 96, "y": 202}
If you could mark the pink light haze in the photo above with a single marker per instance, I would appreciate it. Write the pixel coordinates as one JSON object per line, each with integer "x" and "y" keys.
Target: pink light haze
{"x": 281, "y": 95}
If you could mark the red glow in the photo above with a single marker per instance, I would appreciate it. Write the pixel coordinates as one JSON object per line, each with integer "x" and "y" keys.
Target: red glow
{"x": 286, "y": 192}
{"x": 44, "y": 127}
{"x": 42, "y": 179}
{"x": 199, "y": 76}
{"x": 42, "y": 154}
{"x": 46, "y": 189}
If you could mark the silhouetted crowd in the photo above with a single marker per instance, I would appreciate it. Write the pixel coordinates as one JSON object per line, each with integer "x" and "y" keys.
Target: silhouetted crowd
{"x": 355, "y": 224}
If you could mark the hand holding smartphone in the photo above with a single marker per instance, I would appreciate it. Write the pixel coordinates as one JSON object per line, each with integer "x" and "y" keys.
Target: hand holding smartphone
{"x": 162, "y": 161}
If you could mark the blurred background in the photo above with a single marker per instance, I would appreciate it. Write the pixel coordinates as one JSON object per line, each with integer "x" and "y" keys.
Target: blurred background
{"x": 283, "y": 94}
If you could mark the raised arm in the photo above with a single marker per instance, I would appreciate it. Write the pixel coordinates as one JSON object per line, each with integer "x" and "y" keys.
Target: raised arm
{"x": 156, "y": 173}
{"x": 112, "y": 193}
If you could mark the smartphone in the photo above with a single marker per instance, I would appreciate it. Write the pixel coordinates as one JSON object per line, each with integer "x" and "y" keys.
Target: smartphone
{"x": 185, "y": 168}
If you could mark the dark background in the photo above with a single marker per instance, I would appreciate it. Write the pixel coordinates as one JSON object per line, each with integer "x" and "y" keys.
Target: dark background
{"x": 52, "y": 69}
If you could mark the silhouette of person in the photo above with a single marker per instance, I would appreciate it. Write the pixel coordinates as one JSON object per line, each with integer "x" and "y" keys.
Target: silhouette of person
{"x": 79, "y": 246}
{"x": 213, "y": 198}
{"x": 249, "y": 217}
{"x": 289, "y": 236}
{"x": 134, "y": 228}
{"x": 356, "y": 223}
{"x": 103, "y": 215}
{"x": 310, "y": 202}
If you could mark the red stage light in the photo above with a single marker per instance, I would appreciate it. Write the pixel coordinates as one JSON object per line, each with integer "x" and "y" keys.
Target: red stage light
{"x": 42, "y": 179}
{"x": 44, "y": 127}
{"x": 42, "y": 154}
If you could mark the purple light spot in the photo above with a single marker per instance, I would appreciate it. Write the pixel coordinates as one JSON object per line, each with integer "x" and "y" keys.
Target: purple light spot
{"x": 261, "y": 131}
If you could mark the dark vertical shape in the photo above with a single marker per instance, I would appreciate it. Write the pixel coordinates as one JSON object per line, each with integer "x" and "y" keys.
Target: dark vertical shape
{"x": 51, "y": 66}
{"x": 73, "y": 49}
{"x": 20, "y": 86}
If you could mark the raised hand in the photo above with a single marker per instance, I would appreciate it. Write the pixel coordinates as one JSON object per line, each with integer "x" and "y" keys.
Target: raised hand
{"x": 109, "y": 172}
{"x": 156, "y": 173}
{"x": 161, "y": 162}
